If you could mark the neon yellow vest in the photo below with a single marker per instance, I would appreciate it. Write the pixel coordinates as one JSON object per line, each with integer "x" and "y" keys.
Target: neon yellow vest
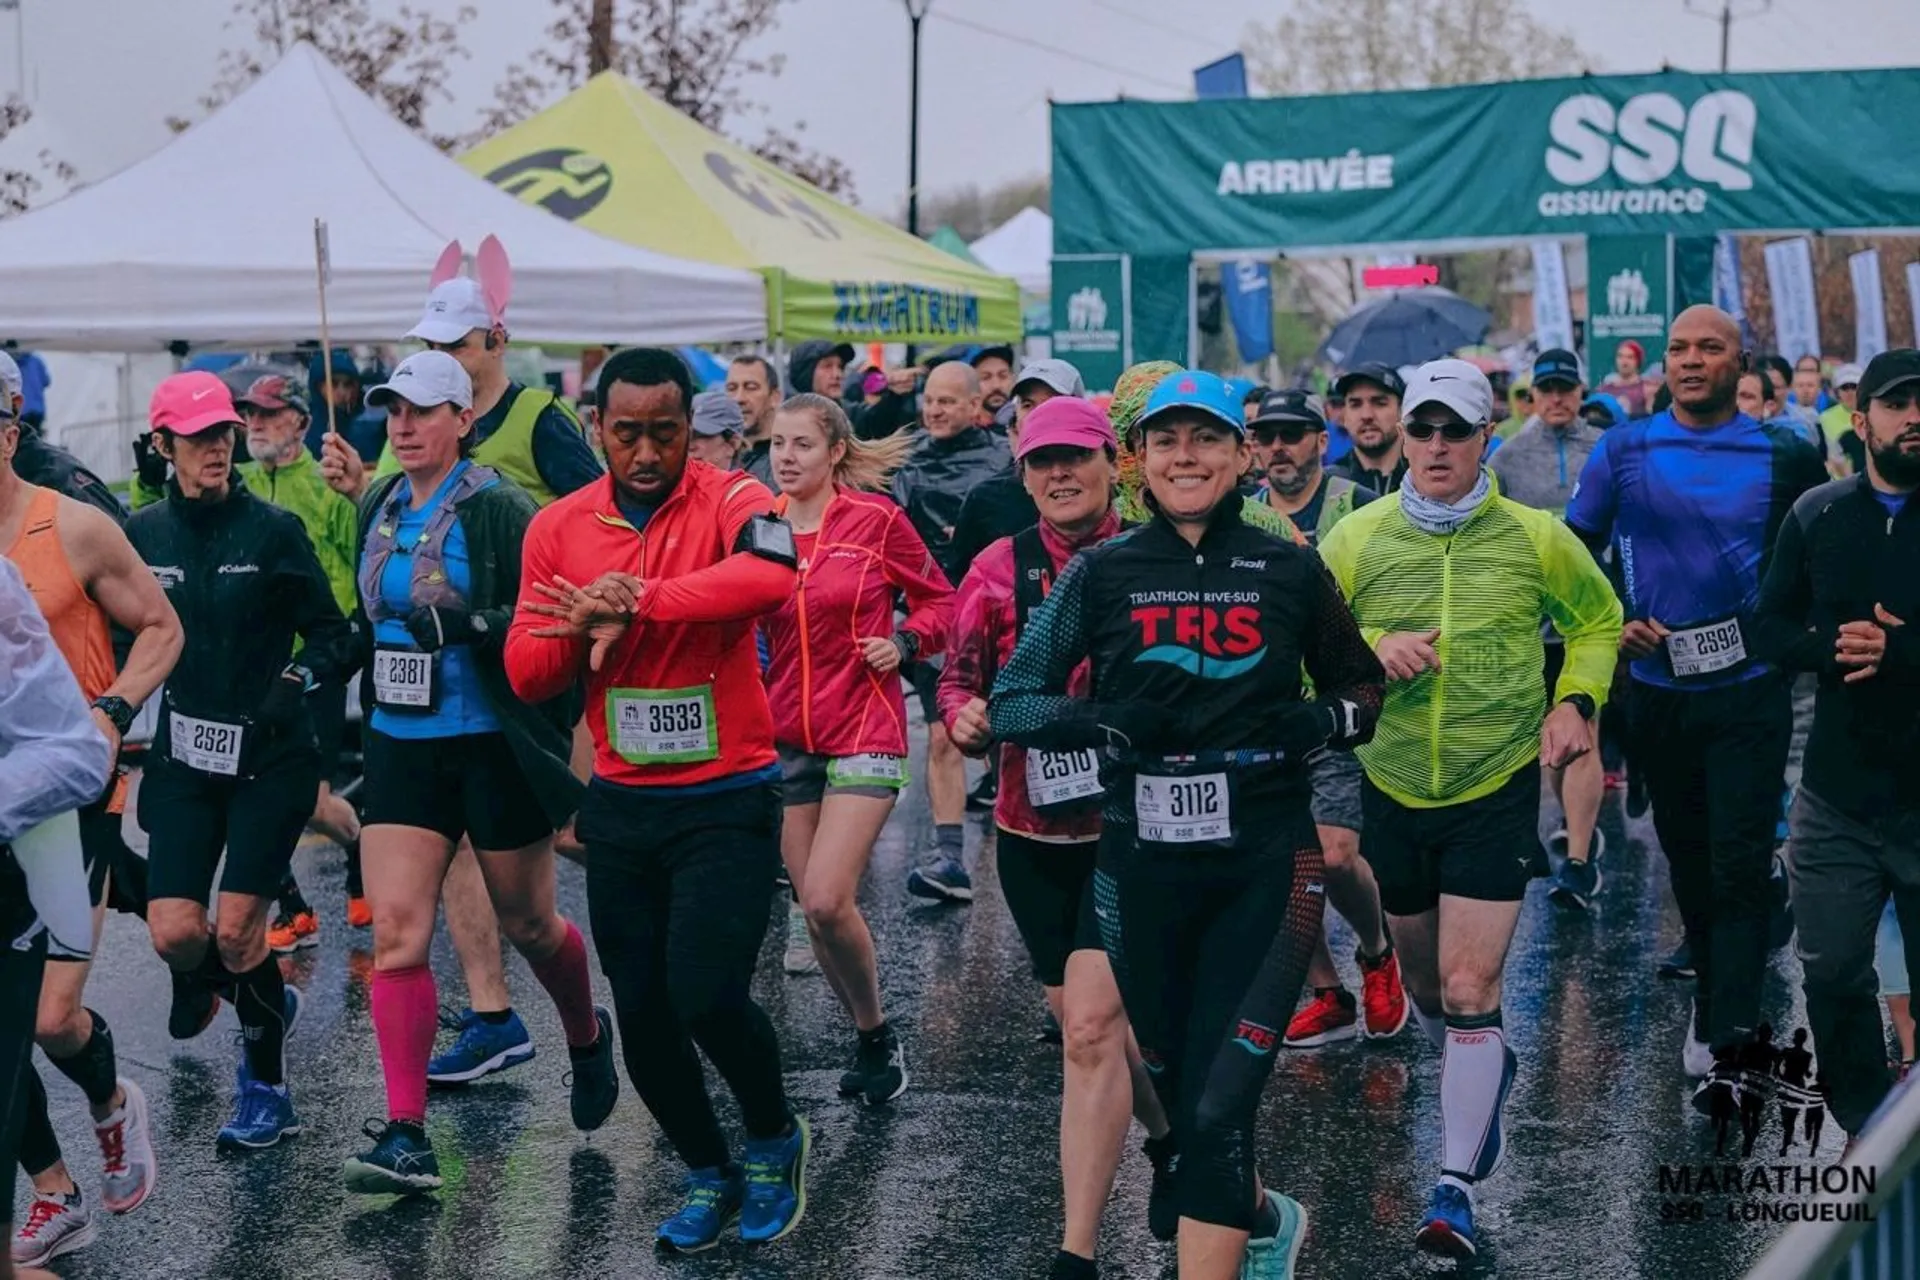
{"x": 510, "y": 449}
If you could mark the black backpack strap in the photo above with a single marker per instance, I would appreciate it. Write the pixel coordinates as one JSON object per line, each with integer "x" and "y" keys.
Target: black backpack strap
{"x": 1032, "y": 575}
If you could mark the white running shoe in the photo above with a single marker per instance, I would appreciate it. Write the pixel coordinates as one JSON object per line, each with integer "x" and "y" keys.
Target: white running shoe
{"x": 55, "y": 1225}
{"x": 127, "y": 1168}
{"x": 800, "y": 957}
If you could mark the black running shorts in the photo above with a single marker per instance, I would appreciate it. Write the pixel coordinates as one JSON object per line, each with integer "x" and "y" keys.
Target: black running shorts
{"x": 1486, "y": 849}
{"x": 471, "y": 785}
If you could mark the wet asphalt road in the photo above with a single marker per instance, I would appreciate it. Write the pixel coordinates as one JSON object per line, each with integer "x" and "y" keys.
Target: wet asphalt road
{"x": 959, "y": 1177}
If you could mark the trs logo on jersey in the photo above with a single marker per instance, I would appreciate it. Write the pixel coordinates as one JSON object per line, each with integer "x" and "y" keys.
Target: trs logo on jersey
{"x": 1202, "y": 640}
{"x": 1254, "y": 1038}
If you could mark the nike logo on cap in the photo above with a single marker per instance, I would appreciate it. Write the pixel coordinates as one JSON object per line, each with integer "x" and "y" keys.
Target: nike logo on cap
{"x": 203, "y": 393}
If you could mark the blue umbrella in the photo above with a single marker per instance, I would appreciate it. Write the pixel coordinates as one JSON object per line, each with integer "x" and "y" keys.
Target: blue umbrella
{"x": 1408, "y": 328}
{"x": 708, "y": 369}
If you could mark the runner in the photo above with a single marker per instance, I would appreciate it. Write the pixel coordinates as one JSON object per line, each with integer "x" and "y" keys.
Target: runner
{"x": 646, "y": 586}
{"x": 1693, "y": 498}
{"x": 531, "y": 437}
{"x": 954, "y": 455}
{"x": 1449, "y": 582}
{"x": 1539, "y": 468}
{"x": 1288, "y": 425}
{"x": 53, "y": 759}
{"x": 282, "y": 472}
{"x": 38, "y": 461}
{"x": 1208, "y": 890}
{"x": 838, "y": 716}
{"x": 754, "y": 385}
{"x": 86, "y": 578}
{"x": 717, "y": 428}
{"x": 1000, "y": 506}
{"x": 233, "y": 765}
{"x": 1045, "y": 842}
{"x": 1371, "y": 393}
{"x": 451, "y": 754}
{"x": 1839, "y": 591}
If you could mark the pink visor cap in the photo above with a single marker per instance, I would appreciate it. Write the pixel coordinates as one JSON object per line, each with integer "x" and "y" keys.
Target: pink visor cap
{"x": 1066, "y": 420}
{"x": 189, "y": 403}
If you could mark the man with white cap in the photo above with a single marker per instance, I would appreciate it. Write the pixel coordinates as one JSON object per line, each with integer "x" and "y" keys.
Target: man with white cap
{"x": 37, "y": 461}
{"x": 1845, "y": 454}
{"x": 1448, "y": 580}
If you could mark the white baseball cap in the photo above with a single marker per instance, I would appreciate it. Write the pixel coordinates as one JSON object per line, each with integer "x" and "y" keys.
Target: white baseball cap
{"x": 1847, "y": 375}
{"x": 11, "y": 384}
{"x": 1456, "y": 384}
{"x": 455, "y": 308}
{"x": 425, "y": 379}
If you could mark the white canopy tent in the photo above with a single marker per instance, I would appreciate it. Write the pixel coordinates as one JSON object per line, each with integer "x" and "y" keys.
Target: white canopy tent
{"x": 1021, "y": 247}
{"x": 210, "y": 241}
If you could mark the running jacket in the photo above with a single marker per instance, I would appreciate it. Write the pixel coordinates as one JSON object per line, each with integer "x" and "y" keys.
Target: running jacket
{"x": 1459, "y": 733}
{"x": 1694, "y": 513}
{"x": 695, "y": 621}
{"x": 331, "y": 521}
{"x": 1202, "y": 646}
{"x": 983, "y": 640}
{"x": 243, "y": 578}
{"x": 825, "y": 698}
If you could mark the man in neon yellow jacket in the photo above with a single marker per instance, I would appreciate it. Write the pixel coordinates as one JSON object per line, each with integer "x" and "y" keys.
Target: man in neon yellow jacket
{"x": 1449, "y": 582}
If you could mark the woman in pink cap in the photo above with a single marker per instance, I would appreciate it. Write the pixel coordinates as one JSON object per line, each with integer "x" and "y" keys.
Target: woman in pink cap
{"x": 1048, "y": 815}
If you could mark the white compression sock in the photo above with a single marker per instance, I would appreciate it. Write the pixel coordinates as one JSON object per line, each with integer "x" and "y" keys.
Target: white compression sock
{"x": 1471, "y": 1076}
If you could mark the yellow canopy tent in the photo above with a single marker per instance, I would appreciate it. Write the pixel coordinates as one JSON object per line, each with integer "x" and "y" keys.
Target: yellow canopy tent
{"x": 620, "y": 162}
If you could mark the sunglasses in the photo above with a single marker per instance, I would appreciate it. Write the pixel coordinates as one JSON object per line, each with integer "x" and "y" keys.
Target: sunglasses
{"x": 1452, "y": 432}
{"x": 1291, "y": 433}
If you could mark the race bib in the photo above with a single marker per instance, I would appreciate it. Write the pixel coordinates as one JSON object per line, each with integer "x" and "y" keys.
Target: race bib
{"x": 1700, "y": 650}
{"x": 663, "y": 726}
{"x": 404, "y": 680}
{"x": 1062, "y": 777}
{"x": 206, "y": 746}
{"x": 1192, "y": 810}
{"x": 869, "y": 770}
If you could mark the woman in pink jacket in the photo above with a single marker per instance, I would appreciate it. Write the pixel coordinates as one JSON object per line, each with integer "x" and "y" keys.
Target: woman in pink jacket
{"x": 833, "y": 681}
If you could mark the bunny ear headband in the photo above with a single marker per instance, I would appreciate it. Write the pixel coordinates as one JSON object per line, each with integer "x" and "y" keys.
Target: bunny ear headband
{"x": 493, "y": 271}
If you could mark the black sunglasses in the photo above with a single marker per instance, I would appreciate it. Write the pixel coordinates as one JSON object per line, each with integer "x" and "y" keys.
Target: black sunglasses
{"x": 1290, "y": 433}
{"x": 1452, "y": 432}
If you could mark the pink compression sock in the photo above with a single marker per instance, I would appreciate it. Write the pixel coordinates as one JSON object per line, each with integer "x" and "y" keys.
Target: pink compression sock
{"x": 405, "y": 1017}
{"x": 564, "y": 975}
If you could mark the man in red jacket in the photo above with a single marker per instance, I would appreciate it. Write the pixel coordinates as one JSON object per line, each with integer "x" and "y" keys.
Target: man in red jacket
{"x": 646, "y": 585}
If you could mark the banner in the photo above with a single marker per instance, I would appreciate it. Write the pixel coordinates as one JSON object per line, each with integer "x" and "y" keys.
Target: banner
{"x": 1629, "y": 295}
{"x": 1224, "y": 78}
{"x": 1552, "y": 312}
{"x": 1248, "y": 286}
{"x": 1729, "y": 293}
{"x": 1674, "y": 152}
{"x": 1796, "y": 307}
{"x": 1869, "y": 306}
{"x": 1090, "y": 317}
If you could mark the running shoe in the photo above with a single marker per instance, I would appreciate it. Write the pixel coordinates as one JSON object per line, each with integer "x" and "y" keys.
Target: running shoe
{"x": 481, "y": 1049}
{"x": 294, "y": 931}
{"x": 55, "y": 1225}
{"x": 127, "y": 1168}
{"x": 359, "y": 913}
{"x": 596, "y": 1085}
{"x": 1383, "y": 996}
{"x": 1695, "y": 1057}
{"x": 1163, "y": 1219}
{"x": 1272, "y": 1257}
{"x": 262, "y": 1115}
{"x": 401, "y": 1162}
{"x": 943, "y": 880}
{"x": 1576, "y": 884}
{"x": 1493, "y": 1149}
{"x": 1614, "y": 780}
{"x": 800, "y": 957}
{"x": 195, "y": 1003}
{"x": 712, "y": 1205}
{"x": 1328, "y": 1017}
{"x": 981, "y": 799}
{"x": 776, "y": 1196}
{"x": 1680, "y": 963}
{"x": 1448, "y": 1229}
{"x": 879, "y": 1072}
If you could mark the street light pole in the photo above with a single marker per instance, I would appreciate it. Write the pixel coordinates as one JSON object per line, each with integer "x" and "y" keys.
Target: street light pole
{"x": 19, "y": 44}
{"x": 916, "y": 13}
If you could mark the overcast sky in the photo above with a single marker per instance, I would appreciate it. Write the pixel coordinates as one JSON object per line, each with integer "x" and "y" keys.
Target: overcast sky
{"x": 985, "y": 84}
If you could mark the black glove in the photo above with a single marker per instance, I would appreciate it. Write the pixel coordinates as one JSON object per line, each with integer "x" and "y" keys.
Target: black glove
{"x": 1304, "y": 728}
{"x": 148, "y": 462}
{"x": 1138, "y": 726}
{"x": 281, "y": 707}
{"x": 434, "y": 628}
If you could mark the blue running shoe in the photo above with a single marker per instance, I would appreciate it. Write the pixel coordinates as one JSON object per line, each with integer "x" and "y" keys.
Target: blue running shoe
{"x": 1494, "y": 1150}
{"x": 481, "y": 1049}
{"x": 776, "y": 1184}
{"x": 1448, "y": 1229}
{"x": 262, "y": 1115}
{"x": 712, "y": 1205}
{"x": 1272, "y": 1257}
{"x": 401, "y": 1162}
{"x": 943, "y": 880}
{"x": 595, "y": 1084}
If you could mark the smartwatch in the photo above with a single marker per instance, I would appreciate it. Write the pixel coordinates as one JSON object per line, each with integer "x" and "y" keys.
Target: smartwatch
{"x": 1582, "y": 703}
{"x": 118, "y": 710}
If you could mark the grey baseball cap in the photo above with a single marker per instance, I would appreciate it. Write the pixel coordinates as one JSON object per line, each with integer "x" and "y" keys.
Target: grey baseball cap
{"x": 425, "y": 379}
{"x": 1057, "y": 374}
{"x": 11, "y": 385}
{"x": 715, "y": 414}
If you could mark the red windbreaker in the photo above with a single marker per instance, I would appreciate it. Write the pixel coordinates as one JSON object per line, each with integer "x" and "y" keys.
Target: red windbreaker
{"x": 825, "y": 697}
{"x": 982, "y": 641}
{"x": 694, "y": 627}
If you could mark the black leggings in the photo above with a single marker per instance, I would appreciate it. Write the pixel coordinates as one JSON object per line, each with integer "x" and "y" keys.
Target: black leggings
{"x": 677, "y": 890}
{"x": 20, "y": 973}
{"x": 1211, "y": 949}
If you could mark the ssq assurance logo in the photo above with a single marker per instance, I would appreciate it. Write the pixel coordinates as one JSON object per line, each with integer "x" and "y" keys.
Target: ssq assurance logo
{"x": 1654, "y": 155}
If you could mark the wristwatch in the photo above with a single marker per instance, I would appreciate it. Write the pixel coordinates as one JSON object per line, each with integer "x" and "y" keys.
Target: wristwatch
{"x": 908, "y": 644}
{"x": 118, "y": 710}
{"x": 1582, "y": 703}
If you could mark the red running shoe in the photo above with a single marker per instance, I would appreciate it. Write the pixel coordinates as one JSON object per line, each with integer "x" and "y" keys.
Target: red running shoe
{"x": 1382, "y": 995}
{"x": 1328, "y": 1017}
